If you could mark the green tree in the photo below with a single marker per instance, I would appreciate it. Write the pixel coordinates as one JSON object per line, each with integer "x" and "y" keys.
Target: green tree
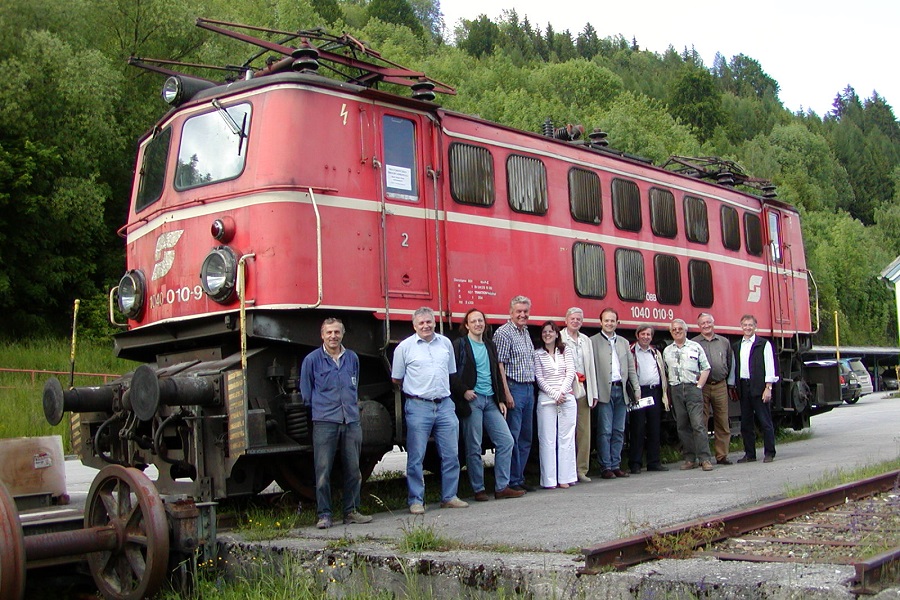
{"x": 642, "y": 126}
{"x": 834, "y": 244}
{"x": 478, "y": 37}
{"x": 588, "y": 43}
{"x": 399, "y": 12}
{"x": 696, "y": 100}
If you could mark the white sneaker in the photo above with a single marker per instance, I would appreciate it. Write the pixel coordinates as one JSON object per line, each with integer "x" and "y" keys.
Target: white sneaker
{"x": 454, "y": 502}
{"x": 417, "y": 509}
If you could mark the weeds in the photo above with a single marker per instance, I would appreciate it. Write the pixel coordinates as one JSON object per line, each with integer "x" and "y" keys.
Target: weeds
{"x": 683, "y": 544}
{"x": 259, "y": 524}
{"x": 419, "y": 537}
{"x": 841, "y": 476}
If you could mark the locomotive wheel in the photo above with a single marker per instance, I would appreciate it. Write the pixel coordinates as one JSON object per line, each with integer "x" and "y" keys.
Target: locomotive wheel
{"x": 297, "y": 476}
{"x": 12, "y": 540}
{"x": 127, "y": 500}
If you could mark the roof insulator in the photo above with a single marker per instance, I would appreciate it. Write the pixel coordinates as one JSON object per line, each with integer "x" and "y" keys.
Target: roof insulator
{"x": 423, "y": 90}
{"x": 306, "y": 58}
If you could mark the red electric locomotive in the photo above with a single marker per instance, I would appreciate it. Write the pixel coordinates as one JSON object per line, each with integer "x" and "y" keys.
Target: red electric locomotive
{"x": 293, "y": 193}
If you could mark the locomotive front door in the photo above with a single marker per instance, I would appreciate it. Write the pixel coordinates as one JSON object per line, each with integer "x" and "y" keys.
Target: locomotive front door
{"x": 408, "y": 222}
{"x": 780, "y": 267}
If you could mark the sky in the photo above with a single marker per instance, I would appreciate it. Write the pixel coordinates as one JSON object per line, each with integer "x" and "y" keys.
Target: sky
{"x": 812, "y": 49}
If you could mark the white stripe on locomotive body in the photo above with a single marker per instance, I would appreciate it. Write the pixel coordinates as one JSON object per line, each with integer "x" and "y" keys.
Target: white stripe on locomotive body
{"x": 424, "y": 213}
{"x": 458, "y": 316}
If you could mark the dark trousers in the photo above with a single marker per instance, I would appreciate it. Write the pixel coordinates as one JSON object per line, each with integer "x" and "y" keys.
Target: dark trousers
{"x": 644, "y": 428}
{"x": 752, "y": 407}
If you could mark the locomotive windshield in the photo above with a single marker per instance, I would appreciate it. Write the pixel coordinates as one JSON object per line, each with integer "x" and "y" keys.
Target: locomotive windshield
{"x": 213, "y": 147}
{"x": 153, "y": 169}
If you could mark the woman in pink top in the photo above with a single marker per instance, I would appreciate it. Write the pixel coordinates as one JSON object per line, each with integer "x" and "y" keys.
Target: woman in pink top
{"x": 554, "y": 373}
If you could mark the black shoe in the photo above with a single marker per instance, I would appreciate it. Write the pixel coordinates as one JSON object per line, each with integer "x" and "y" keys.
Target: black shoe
{"x": 518, "y": 488}
{"x": 723, "y": 461}
{"x": 528, "y": 488}
{"x": 746, "y": 459}
{"x": 657, "y": 468}
{"x": 607, "y": 474}
{"x": 635, "y": 470}
{"x": 768, "y": 458}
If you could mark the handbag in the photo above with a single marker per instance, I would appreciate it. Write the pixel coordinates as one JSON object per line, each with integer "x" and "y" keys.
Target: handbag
{"x": 578, "y": 386}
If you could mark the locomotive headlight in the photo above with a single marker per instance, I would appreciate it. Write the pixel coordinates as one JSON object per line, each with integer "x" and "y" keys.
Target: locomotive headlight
{"x": 171, "y": 92}
{"x": 178, "y": 89}
{"x": 218, "y": 274}
{"x": 131, "y": 294}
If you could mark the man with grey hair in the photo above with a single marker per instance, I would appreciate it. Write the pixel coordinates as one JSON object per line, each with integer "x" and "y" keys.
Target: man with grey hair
{"x": 688, "y": 370}
{"x": 644, "y": 424}
{"x": 515, "y": 353}
{"x": 715, "y": 392}
{"x": 422, "y": 367}
{"x": 586, "y": 373}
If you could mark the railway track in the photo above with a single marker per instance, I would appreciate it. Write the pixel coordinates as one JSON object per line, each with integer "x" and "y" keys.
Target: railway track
{"x": 796, "y": 530}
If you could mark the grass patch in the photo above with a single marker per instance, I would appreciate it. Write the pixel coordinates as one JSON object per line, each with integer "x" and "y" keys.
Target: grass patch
{"x": 841, "y": 476}
{"x": 259, "y": 524}
{"x": 419, "y": 537}
{"x": 21, "y": 411}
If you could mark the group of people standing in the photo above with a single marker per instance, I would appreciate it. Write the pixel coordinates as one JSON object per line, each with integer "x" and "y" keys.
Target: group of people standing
{"x": 480, "y": 385}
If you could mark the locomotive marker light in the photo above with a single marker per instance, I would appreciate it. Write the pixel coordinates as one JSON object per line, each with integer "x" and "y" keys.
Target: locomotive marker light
{"x": 131, "y": 294}
{"x": 218, "y": 274}
{"x": 223, "y": 229}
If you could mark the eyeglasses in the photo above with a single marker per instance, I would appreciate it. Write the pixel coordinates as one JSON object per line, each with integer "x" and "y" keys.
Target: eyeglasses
{"x": 677, "y": 329}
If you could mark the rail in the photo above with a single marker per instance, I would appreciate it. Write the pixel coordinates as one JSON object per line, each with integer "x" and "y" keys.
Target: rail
{"x": 35, "y": 372}
{"x": 633, "y": 550}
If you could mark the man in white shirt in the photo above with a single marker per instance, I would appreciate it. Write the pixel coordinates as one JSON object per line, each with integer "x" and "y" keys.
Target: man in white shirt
{"x": 755, "y": 373}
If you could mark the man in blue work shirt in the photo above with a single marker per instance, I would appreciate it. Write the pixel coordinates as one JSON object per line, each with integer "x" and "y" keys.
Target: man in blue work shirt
{"x": 422, "y": 367}
{"x": 329, "y": 381}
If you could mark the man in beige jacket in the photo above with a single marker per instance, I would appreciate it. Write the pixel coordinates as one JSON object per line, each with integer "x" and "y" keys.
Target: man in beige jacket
{"x": 587, "y": 400}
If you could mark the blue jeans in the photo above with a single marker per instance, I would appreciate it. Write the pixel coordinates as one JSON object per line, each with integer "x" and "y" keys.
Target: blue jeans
{"x": 611, "y": 429}
{"x": 521, "y": 426}
{"x": 424, "y": 419}
{"x": 486, "y": 416}
{"x": 327, "y": 438}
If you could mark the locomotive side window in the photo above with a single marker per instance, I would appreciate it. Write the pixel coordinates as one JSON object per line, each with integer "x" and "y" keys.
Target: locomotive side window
{"x": 701, "y": 283}
{"x": 696, "y": 223}
{"x": 630, "y": 275}
{"x": 589, "y": 262}
{"x": 213, "y": 147}
{"x": 471, "y": 175}
{"x": 775, "y": 236}
{"x": 668, "y": 278}
{"x": 626, "y": 203}
{"x": 662, "y": 213}
{"x": 526, "y": 184}
{"x": 400, "y": 177}
{"x": 731, "y": 228}
{"x": 153, "y": 170}
{"x": 585, "y": 196}
{"x": 753, "y": 234}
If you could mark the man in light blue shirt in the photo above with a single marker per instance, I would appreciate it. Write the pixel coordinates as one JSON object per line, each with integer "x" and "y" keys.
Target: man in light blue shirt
{"x": 422, "y": 367}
